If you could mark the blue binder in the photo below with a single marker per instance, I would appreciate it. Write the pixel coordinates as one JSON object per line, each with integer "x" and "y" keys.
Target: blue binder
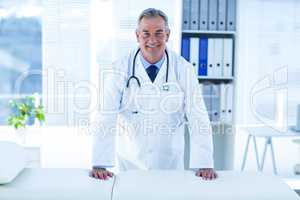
{"x": 185, "y": 48}
{"x": 202, "y": 70}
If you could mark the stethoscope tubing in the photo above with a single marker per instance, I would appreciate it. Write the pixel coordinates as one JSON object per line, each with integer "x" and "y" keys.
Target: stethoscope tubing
{"x": 133, "y": 69}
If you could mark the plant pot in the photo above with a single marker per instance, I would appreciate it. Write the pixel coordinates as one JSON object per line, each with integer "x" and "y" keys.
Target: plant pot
{"x": 29, "y": 136}
{"x": 20, "y": 135}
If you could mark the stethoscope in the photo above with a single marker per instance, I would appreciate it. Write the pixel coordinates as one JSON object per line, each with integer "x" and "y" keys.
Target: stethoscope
{"x": 165, "y": 87}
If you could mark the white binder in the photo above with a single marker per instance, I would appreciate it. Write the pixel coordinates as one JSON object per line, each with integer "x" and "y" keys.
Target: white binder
{"x": 229, "y": 103}
{"x": 186, "y": 14}
{"x": 221, "y": 15}
{"x": 219, "y": 48}
{"x": 215, "y": 102}
{"x": 231, "y": 15}
{"x": 212, "y": 14}
{"x": 194, "y": 52}
{"x": 228, "y": 57}
{"x": 223, "y": 97}
{"x": 203, "y": 21}
{"x": 195, "y": 14}
{"x": 206, "y": 93}
{"x": 210, "y": 57}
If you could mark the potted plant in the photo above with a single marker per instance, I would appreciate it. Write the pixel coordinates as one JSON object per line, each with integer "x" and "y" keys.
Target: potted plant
{"x": 25, "y": 111}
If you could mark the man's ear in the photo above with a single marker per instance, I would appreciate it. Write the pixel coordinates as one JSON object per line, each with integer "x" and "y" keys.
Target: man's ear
{"x": 137, "y": 35}
{"x": 168, "y": 35}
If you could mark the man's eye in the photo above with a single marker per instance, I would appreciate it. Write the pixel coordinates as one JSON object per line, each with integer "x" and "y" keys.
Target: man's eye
{"x": 146, "y": 34}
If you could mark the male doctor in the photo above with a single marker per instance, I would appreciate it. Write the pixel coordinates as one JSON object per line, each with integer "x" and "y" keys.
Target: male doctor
{"x": 147, "y": 99}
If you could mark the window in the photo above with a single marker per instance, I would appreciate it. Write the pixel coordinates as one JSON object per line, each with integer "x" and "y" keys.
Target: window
{"x": 20, "y": 52}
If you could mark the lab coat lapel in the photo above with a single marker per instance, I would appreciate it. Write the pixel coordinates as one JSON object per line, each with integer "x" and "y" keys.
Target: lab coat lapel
{"x": 161, "y": 76}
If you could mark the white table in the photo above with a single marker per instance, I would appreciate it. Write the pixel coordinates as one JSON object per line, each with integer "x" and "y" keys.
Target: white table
{"x": 268, "y": 133}
{"x": 75, "y": 184}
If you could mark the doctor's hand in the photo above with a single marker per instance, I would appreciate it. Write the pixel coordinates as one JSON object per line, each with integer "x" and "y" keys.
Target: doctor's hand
{"x": 101, "y": 173}
{"x": 207, "y": 173}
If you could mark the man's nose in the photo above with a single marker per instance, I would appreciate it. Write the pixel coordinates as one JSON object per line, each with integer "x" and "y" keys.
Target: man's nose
{"x": 152, "y": 39}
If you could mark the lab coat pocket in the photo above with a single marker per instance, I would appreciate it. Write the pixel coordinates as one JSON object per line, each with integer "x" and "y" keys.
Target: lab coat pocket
{"x": 127, "y": 108}
{"x": 172, "y": 102}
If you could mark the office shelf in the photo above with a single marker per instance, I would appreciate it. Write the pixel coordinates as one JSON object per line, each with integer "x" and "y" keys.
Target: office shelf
{"x": 209, "y": 32}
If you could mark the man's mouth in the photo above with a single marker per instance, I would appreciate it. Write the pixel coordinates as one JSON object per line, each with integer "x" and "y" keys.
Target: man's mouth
{"x": 152, "y": 46}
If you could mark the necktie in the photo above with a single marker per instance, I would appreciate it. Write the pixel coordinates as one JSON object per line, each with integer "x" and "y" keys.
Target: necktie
{"x": 152, "y": 71}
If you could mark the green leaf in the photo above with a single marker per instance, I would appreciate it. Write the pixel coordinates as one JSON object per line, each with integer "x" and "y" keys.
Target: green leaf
{"x": 17, "y": 121}
{"x": 40, "y": 114}
{"x": 25, "y": 109}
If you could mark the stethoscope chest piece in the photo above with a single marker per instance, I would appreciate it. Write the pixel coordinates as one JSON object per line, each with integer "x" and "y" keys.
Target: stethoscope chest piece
{"x": 165, "y": 88}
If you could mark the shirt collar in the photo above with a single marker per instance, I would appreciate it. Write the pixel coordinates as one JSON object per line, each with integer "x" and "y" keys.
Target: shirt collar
{"x": 146, "y": 64}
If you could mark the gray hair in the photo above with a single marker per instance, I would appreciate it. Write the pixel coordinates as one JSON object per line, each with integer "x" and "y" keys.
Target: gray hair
{"x": 152, "y": 12}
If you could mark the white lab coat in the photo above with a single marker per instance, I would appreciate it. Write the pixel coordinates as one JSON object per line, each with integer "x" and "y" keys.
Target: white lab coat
{"x": 143, "y": 127}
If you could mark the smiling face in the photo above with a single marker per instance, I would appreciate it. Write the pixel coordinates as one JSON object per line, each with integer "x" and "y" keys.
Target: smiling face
{"x": 152, "y": 35}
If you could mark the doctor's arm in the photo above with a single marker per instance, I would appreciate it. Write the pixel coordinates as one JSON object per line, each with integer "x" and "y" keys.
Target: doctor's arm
{"x": 201, "y": 146}
{"x": 103, "y": 128}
